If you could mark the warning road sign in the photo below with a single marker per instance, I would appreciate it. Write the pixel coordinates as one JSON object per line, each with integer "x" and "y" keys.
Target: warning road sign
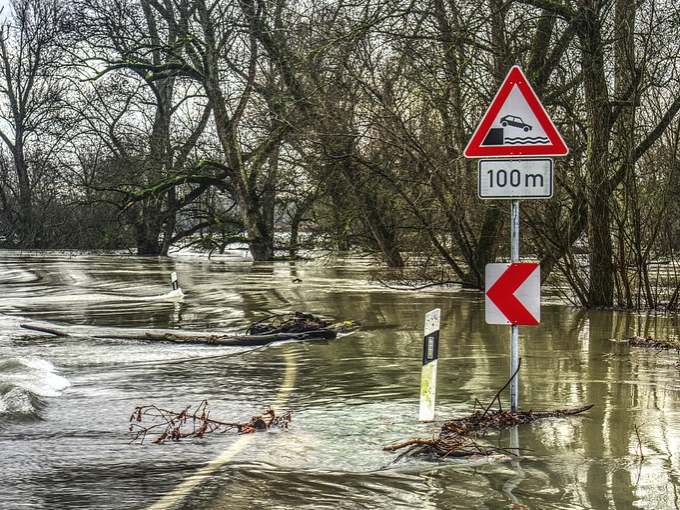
{"x": 516, "y": 124}
{"x": 513, "y": 294}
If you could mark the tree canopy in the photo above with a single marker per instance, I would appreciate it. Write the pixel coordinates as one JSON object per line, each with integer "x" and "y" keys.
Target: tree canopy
{"x": 341, "y": 125}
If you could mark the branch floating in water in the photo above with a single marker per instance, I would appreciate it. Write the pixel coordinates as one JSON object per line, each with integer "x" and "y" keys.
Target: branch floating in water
{"x": 173, "y": 426}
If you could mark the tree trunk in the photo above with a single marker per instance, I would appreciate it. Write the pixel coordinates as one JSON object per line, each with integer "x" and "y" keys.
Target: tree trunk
{"x": 598, "y": 114}
{"x": 260, "y": 232}
{"x": 147, "y": 229}
{"x": 630, "y": 235}
{"x": 487, "y": 241}
{"x": 28, "y": 237}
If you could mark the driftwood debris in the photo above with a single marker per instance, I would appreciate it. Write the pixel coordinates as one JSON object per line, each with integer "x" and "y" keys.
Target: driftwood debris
{"x": 454, "y": 441}
{"x": 649, "y": 342}
{"x": 298, "y": 322}
{"x": 44, "y": 329}
{"x": 296, "y": 326}
{"x": 479, "y": 421}
{"x": 445, "y": 445}
{"x": 454, "y": 436}
{"x": 174, "y": 426}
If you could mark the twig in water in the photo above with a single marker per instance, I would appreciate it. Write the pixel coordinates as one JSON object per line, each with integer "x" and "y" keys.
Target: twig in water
{"x": 498, "y": 394}
{"x": 637, "y": 433}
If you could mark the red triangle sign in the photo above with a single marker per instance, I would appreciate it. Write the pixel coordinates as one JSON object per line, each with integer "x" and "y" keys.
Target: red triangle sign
{"x": 516, "y": 124}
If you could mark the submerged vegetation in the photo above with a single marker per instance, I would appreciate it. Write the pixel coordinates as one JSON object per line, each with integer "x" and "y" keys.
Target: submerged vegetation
{"x": 294, "y": 126}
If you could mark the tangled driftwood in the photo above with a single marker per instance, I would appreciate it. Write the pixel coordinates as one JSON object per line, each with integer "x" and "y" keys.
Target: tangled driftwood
{"x": 297, "y": 322}
{"x": 649, "y": 342}
{"x": 173, "y": 426}
{"x": 445, "y": 445}
{"x": 479, "y": 421}
{"x": 454, "y": 441}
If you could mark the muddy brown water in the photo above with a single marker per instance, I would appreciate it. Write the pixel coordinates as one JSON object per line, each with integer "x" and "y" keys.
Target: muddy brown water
{"x": 65, "y": 402}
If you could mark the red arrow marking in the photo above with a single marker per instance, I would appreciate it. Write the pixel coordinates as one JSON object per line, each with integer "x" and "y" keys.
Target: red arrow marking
{"x": 502, "y": 294}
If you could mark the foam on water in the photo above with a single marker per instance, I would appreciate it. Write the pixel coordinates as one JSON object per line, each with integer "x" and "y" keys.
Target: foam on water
{"x": 87, "y": 298}
{"x": 23, "y": 384}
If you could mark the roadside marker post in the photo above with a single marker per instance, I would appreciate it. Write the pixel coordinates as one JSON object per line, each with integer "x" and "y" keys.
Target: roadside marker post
{"x": 176, "y": 292}
{"x": 517, "y": 132}
{"x": 428, "y": 378}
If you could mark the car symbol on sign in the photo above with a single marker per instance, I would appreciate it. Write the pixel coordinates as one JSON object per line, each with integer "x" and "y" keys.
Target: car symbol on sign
{"x": 511, "y": 120}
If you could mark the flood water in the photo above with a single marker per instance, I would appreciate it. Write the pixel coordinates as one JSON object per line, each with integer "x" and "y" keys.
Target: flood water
{"x": 65, "y": 402}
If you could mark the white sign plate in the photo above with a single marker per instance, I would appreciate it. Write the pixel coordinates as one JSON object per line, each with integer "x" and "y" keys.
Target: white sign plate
{"x": 515, "y": 178}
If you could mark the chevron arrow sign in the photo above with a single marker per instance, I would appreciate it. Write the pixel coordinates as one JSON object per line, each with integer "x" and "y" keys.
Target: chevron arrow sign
{"x": 513, "y": 294}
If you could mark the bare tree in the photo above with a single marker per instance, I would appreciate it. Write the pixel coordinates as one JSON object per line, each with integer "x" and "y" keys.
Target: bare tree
{"x": 613, "y": 142}
{"x": 158, "y": 123}
{"x": 34, "y": 95}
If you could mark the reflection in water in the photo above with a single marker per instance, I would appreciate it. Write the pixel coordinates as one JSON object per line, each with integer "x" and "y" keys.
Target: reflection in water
{"x": 350, "y": 397}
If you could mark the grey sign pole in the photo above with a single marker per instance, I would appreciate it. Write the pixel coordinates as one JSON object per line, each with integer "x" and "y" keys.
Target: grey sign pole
{"x": 504, "y": 125}
{"x": 514, "y": 332}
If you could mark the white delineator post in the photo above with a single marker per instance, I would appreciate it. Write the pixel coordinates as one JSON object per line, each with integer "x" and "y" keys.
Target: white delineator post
{"x": 428, "y": 379}
{"x": 176, "y": 292}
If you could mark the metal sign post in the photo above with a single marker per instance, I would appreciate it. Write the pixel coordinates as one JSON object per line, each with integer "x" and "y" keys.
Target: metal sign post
{"x": 517, "y": 132}
{"x": 514, "y": 331}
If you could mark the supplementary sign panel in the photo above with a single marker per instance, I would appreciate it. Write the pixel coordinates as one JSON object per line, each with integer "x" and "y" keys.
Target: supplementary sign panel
{"x": 516, "y": 124}
{"x": 513, "y": 294}
{"x": 515, "y": 178}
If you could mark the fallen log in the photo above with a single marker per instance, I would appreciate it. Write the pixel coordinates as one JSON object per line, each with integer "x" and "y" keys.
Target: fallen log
{"x": 298, "y": 326}
{"x": 233, "y": 340}
{"x": 43, "y": 329}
